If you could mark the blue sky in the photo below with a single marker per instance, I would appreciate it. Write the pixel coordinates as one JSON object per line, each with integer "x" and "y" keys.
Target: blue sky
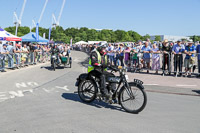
{"x": 154, "y": 17}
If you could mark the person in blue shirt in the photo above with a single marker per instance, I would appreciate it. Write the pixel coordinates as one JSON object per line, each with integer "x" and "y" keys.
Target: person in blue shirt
{"x": 146, "y": 56}
{"x": 178, "y": 49}
{"x": 190, "y": 50}
{"x": 198, "y": 57}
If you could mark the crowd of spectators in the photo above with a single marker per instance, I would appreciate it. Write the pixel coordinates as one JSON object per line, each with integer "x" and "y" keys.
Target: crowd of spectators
{"x": 168, "y": 57}
{"x": 22, "y": 55}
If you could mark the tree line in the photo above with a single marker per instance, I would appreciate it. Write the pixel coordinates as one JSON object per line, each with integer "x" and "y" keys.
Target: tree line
{"x": 85, "y": 34}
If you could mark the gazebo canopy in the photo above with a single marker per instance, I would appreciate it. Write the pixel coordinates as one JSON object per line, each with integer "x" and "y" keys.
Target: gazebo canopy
{"x": 81, "y": 42}
{"x": 31, "y": 37}
{"x": 6, "y": 36}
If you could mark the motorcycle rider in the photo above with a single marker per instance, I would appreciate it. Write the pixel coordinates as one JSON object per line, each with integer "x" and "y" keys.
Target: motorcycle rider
{"x": 98, "y": 64}
{"x": 54, "y": 51}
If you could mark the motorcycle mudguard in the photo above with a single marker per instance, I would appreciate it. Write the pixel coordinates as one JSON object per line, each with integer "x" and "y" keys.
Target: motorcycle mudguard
{"x": 80, "y": 78}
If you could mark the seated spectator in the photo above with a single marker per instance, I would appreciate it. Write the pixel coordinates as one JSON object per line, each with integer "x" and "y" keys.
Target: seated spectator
{"x": 155, "y": 58}
{"x": 189, "y": 62}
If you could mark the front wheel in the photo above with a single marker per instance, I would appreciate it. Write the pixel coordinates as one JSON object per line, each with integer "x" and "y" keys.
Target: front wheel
{"x": 133, "y": 99}
{"x": 87, "y": 91}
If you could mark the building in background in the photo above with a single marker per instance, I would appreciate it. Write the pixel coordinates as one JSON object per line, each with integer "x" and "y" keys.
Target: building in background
{"x": 170, "y": 38}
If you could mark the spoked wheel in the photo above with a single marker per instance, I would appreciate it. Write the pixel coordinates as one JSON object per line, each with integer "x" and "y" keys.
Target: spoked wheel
{"x": 87, "y": 91}
{"x": 133, "y": 100}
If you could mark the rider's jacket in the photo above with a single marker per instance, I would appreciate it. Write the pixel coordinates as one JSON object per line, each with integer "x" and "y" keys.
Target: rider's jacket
{"x": 96, "y": 59}
{"x": 54, "y": 51}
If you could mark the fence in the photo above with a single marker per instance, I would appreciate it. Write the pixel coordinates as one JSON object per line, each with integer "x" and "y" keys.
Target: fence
{"x": 168, "y": 63}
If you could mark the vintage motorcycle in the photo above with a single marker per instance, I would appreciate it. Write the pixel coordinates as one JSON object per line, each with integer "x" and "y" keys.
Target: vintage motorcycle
{"x": 130, "y": 95}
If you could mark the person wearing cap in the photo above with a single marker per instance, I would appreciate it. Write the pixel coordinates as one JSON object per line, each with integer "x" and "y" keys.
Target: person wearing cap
{"x": 3, "y": 52}
{"x": 98, "y": 64}
{"x": 10, "y": 49}
{"x": 166, "y": 49}
{"x": 178, "y": 50}
{"x": 189, "y": 61}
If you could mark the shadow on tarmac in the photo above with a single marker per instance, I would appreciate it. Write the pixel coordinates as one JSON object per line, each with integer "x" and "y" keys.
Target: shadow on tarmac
{"x": 50, "y": 68}
{"x": 197, "y": 91}
{"x": 97, "y": 104}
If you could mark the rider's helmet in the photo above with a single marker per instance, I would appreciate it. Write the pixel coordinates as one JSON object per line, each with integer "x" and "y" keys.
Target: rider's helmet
{"x": 101, "y": 48}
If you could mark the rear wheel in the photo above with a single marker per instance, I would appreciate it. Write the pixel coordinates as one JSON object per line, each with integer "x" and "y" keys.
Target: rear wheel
{"x": 87, "y": 91}
{"x": 134, "y": 99}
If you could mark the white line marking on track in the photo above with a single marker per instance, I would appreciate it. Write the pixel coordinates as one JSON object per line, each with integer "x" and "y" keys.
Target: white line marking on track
{"x": 152, "y": 84}
{"x": 186, "y": 85}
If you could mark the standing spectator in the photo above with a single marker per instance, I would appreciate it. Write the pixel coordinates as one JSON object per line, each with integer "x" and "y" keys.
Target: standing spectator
{"x": 134, "y": 53}
{"x": 166, "y": 48}
{"x": 3, "y": 52}
{"x": 198, "y": 57}
{"x": 10, "y": 49}
{"x": 35, "y": 52}
{"x": 39, "y": 52}
{"x": 155, "y": 58}
{"x": 177, "y": 50}
{"x": 1, "y": 46}
{"x": 32, "y": 55}
{"x": 18, "y": 55}
{"x": 189, "y": 62}
{"x": 44, "y": 53}
{"x": 116, "y": 50}
{"x": 110, "y": 52}
{"x": 139, "y": 53}
{"x": 127, "y": 56}
{"x": 121, "y": 54}
{"x": 24, "y": 55}
{"x": 146, "y": 56}
{"x": 149, "y": 42}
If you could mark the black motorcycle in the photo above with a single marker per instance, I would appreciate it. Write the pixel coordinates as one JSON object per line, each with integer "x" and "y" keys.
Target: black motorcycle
{"x": 130, "y": 95}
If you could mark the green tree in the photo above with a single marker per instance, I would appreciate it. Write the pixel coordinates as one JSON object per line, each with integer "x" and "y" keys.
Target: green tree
{"x": 157, "y": 38}
{"x": 147, "y": 36}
